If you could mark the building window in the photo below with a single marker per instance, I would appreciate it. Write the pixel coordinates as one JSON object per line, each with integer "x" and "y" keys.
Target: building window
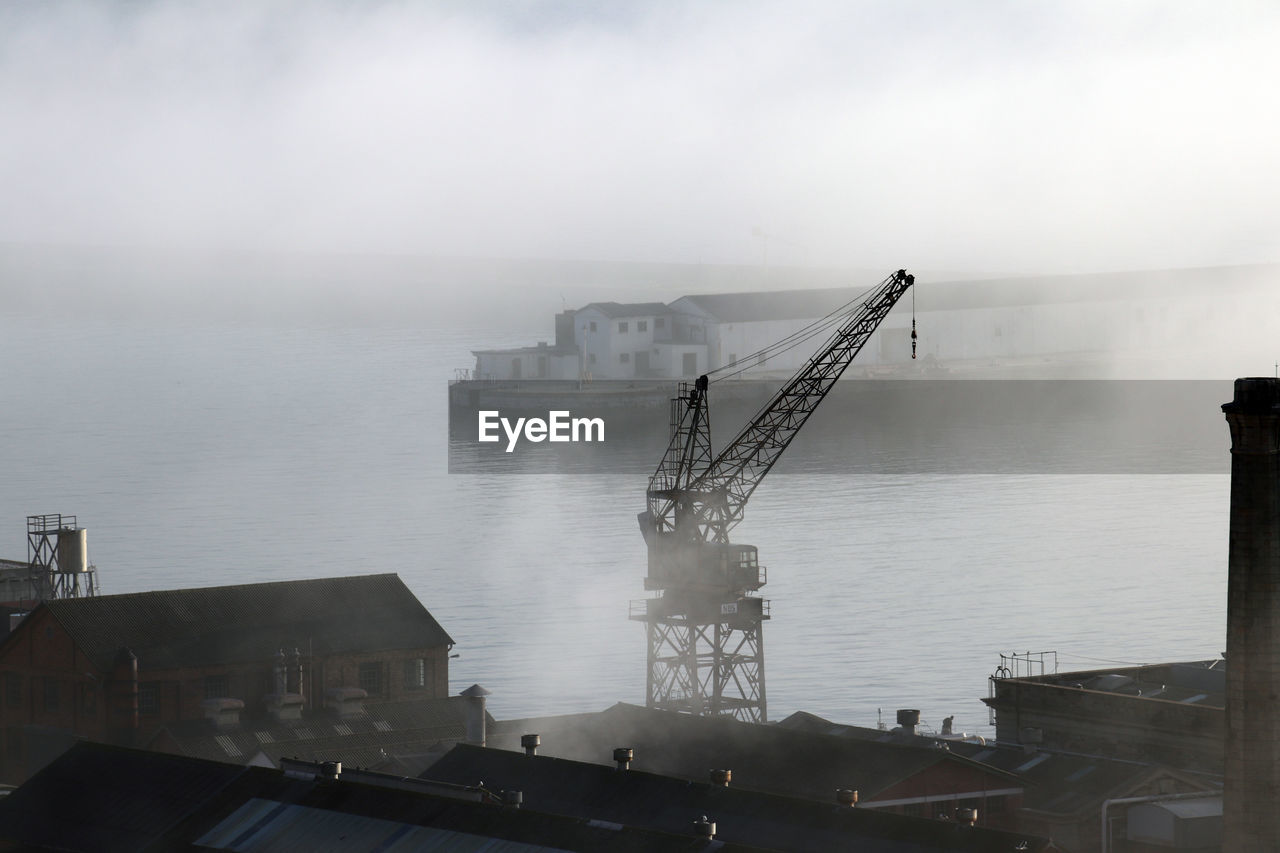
{"x": 371, "y": 678}
{"x": 148, "y": 698}
{"x": 592, "y": 326}
{"x": 622, "y": 328}
{"x": 415, "y": 674}
{"x": 642, "y": 325}
{"x": 13, "y": 689}
{"x": 659, "y": 323}
{"x": 624, "y": 357}
{"x": 51, "y": 695}
{"x": 217, "y": 687}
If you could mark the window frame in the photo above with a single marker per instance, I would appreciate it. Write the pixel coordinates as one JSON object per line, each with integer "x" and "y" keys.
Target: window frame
{"x": 371, "y": 671}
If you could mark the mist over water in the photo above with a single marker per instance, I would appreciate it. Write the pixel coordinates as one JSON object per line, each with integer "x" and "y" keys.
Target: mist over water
{"x": 242, "y": 248}
{"x": 201, "y": 454}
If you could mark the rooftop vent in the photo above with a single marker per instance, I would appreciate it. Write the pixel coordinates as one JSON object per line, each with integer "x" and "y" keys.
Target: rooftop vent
{"x": 222, "y": 714}
{"x": 624, "y": 755}
{"x": 345, "y": 701}
{"x": 721, "y": 778}
{"x": 704, "y": 828}
{"x": 285, "y": 706}
{"x": 908, "y": 718}
{"x": 530, "y": 743}
{"x": 475, "y": 695}
{"x": 513, "y": 798}
{"x": 846, "y": 797}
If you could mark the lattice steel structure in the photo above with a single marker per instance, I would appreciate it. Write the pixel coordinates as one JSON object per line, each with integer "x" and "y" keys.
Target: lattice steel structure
{"x": 58, "y": 558}
{"x": 705, "y": 627}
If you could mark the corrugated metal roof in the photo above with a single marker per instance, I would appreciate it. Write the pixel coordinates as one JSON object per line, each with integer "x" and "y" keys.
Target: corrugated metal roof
{"x": 106, "y": 799}
{"x": 763, "y": 757}
{"x": 126, "y": 811}
{"x": 249, "y": 622}
{"x": 608, "y": 796}
{"x": 1066, "y": 785}
{"x": 267, "y": 825}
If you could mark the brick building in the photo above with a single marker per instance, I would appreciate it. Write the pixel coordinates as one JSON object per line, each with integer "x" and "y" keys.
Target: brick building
{"x": 119, "y": 668}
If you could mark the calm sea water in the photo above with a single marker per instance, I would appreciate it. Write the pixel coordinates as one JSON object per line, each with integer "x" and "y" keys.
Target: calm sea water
{"x": 200, "y": 453}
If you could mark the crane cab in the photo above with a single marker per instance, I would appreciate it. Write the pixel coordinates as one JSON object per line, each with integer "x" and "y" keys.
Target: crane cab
{"x": 706, "y": 566}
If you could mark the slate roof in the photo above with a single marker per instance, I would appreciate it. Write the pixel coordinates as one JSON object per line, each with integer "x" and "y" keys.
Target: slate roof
{"x": 762, "y": 757}
{"x": 404, "y": 735}
{"x": 238, "y": 624}
{"x": 104, "y": 798}
{"x": 636, "y": 798}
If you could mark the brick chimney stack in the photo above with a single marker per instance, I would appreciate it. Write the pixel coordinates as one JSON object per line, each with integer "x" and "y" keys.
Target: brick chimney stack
{"x": 1251, "y": 820}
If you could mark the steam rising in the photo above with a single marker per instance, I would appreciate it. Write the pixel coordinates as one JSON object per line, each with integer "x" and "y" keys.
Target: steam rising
{"x": 991, "y": 137}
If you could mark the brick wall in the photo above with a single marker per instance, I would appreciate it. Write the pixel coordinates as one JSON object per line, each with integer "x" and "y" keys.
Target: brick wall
{"x": 47, "y": 682}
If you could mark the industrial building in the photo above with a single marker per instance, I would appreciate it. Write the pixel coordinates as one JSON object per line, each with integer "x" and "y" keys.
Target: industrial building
{"x": 134, "y": 669}
{"x": 1169, "y": 714}
{"x": 907, "y": 779}
{"x": 98, "y": 798}
{"x": 625, "y": 796}
{"x": 1070, "y": 797}
{"x": 963, "y": 323}
{"x": 1025, "y": 789}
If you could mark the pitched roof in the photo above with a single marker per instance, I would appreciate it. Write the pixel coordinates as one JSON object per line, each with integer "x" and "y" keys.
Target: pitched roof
{"x": 668, "y": 804}
{"x": 1054, "y": 782}
{"x": 388, "y": 733}
{"x": 615, "y": 310}
{"x": 771, "y": 305}
{"x": 106, "y": 798}
{"x": 811, "y": 303}
{"x": 762, "y": 757}
{"x": 248, "y": 622}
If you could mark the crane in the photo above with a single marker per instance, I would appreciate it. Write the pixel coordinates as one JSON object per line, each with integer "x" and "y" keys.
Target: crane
{"x": 705, "y": 640}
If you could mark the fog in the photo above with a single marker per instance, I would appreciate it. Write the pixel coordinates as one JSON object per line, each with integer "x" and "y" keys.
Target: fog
{"x": 988, "y": 138}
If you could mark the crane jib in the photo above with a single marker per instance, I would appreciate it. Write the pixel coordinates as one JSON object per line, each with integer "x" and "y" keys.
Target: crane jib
{"x": 689, "y": 475}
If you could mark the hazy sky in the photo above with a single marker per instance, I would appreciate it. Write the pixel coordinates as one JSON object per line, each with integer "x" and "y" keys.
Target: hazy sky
{"x": 993, "y": 136}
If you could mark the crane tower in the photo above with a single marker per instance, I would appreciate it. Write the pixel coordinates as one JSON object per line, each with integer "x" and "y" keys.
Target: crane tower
{"x": 705, "y": 625}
